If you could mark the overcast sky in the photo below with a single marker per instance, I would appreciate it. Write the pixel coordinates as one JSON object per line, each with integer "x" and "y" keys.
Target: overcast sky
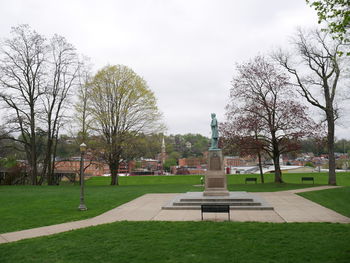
{"x": 186, "y": 50}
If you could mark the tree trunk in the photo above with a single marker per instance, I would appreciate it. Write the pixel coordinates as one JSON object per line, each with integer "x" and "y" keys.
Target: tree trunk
{"x": 260, "y": 168}
{"x": 278, "y": 173}
{"x": 330, "y": 147}
{"x": 48, "y": 162}
{"x": 33, "y": 155}
{"x": 53, "y": 160}
{"x": 276, "y": 162}
{"x": 114, "y": 167}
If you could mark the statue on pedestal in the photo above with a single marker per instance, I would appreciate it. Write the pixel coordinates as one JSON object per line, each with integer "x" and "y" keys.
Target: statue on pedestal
{"x": 215, "y": 178}
{"x": 214, "y": 132}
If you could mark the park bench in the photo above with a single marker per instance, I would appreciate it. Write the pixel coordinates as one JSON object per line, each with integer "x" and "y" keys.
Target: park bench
{"x": 250, "y": 179}
{"x": 213, "y": 208}
{"x": 307, "y": 179}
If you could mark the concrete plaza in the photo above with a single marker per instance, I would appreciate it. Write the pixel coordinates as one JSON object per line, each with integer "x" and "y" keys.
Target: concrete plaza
{"x": 288, "y": 207}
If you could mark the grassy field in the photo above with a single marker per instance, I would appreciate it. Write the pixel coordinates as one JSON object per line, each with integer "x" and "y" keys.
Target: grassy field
{"x": 235, "y": 182}
{"x": 188, "y": 242}
{"x": 336, "y": 199}
{"x": 24, "y": 207}
{"x": 289, "y": 178}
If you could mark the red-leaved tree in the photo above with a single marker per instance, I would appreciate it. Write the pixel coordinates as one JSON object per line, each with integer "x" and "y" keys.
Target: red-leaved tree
{"x": 263, "y": 114}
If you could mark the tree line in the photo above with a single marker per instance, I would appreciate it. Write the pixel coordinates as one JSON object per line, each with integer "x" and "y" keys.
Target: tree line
{"x": 268, "y": 114}
{"x": 116, "y": 111}
{"x": 268, "y": 111}
{"x": 39, "y": 78}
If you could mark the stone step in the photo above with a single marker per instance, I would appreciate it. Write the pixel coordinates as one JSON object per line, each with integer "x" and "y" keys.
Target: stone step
{"x": 217, "y": 203}
{"x": 236, "y": 201}
{"x": 231, "y": 208}
{"x": 221, "y": 203}
{"x": 209, "y": 200}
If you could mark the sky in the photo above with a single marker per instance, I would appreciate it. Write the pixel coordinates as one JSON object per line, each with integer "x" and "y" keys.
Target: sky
{"x": 186, "y": 50}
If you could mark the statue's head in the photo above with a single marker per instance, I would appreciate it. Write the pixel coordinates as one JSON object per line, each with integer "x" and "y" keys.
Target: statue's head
{"x": 213, "y": 115}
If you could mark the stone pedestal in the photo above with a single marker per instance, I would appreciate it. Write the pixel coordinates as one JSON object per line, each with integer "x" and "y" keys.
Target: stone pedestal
{"x": 215, "y": 178}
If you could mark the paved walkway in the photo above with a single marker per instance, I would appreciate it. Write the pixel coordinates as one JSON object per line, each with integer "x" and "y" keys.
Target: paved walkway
{"x": 289, "y": 207}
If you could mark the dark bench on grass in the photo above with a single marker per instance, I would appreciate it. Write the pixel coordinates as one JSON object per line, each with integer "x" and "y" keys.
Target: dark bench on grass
{"x": 250, "y": 179}
{"x": 212, "y": 208}
{"x": 307, "y": 179}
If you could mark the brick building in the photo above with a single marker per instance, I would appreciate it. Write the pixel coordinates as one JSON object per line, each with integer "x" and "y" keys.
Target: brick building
{"x": 93, "y": 168}
{"x": 192, "y": 162}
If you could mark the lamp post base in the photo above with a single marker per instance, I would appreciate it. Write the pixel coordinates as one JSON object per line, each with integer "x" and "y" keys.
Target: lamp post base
{"x": 82, "y": 207}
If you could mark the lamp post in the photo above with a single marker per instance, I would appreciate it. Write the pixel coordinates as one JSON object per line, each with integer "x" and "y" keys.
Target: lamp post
{"x": 82, "y": 206}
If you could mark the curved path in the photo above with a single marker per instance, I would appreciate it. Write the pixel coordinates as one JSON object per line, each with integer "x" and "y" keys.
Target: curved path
{"x": 288, "y": 207}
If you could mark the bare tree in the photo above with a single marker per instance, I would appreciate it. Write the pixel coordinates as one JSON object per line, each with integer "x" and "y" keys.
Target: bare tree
{"x": 264, "y": 113}
{"x": 317, "y": 74}
{"x": 63, "y": 72}
{"x": 22, "y": 83}
{"x": 121, "y": 106}
{"x": 82, "y": 115}
{"x": 36, "y": 78}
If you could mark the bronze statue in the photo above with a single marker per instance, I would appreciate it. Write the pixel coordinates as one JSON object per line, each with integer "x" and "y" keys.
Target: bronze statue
{"x": 214, "y": 132}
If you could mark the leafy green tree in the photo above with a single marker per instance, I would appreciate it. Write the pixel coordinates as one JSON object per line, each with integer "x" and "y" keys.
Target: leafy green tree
{"x": 168, "y": 163}
{"x": 315, "y": 145}
{"x": 188, "y": 145}
{"x": 67, "y": 147}
{"x": 336, "y": 13}
{"x": 175, "y": 155}
{"x": 309, "y": 164}
{"x": 122, "y": 106}
{"x": 342, "y": 146}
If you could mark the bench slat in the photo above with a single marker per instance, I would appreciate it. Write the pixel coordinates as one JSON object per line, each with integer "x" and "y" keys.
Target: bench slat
{"x": 307, "y": 179}
{"x": 211, "y": 208}
{"x": 250, "y": 179}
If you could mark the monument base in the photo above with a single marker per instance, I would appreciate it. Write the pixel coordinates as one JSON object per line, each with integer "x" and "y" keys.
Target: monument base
{"x": 215, "y": 184}
{"x": 215, "y": 178}
{"x": 216, "y": 192}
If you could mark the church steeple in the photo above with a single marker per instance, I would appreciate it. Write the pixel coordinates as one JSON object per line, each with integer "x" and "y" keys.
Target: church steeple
{"x": 163, "y": 151}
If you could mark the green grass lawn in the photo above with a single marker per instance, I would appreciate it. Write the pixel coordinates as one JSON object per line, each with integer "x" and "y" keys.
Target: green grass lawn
{"x": 188, "y": 242}
{"x": 294, "y": 178}
{"x": 337, "y": 199}
{"x": 289, "y": 178}
{"x": 23, "y": 207}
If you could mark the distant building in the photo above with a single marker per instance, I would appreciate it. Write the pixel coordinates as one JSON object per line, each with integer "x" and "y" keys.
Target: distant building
{"x": 92, "y": 168}
{"x": 234, "y": 161}
{"x": 192, "y": 165}
{"x": 150, "y": 164}
{"x": 192, "y": 162}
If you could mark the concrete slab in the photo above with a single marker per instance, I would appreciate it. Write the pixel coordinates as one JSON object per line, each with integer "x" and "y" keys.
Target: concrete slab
{"x": 3, "y": 240}
{"x": 236, "y": 201}
{"x": 310, "y": 189}
{"x": 256, "y": 216}
{"x": 294, "y": 208}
